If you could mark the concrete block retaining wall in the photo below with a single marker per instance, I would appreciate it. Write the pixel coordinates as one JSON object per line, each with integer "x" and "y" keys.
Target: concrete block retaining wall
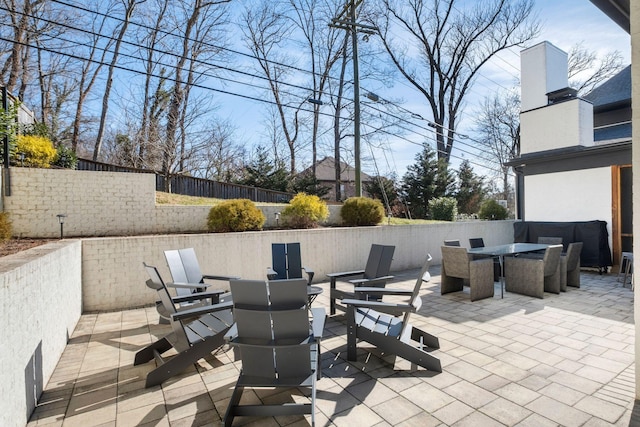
{"x": 41, "y": 297}
{"x": 114, "y": 279}
{"x": 103, "y": 204}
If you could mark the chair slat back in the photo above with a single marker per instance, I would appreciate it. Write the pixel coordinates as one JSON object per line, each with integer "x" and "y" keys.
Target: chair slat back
{"x": 272, "y": 312}
{"x": 455, "y": 261}
{"x": 178, "y": 274}
{"x": 286, "y": 260}
{"x": 191, "y": 265}
{"x": 379, "y": 261}
{"x": 476, "y": 242}
{"x": 159, "y": 285}
{"x": 416, "y": 301}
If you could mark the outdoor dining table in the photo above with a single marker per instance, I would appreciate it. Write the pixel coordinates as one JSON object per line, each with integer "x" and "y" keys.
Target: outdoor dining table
{"x": 501, "y": 251}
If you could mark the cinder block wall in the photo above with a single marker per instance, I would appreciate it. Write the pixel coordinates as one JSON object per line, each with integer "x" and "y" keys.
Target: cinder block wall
{"x": 114, "y": 278}
{"x": 41, "y": 299}
{"x": 102, "y": 204}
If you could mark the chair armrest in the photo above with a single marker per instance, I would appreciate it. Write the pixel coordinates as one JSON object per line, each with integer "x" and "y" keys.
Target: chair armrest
{"x": 345, "y": 274}
{"x": 232, "y": 333}
{"x": 317, "y": 323}
{"x": 383, "y": 307}
{"x": 199, "y": 296}
{"x": 358, "y": 282}
{"x": 199, "y": 311}
{"x": 382, "y": 291}
{"x": 216, "y": 277}
{"x": 310, "y": 274}
{"x": 183, "y": 285}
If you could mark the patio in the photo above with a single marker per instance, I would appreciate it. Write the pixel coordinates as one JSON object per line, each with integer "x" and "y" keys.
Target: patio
{"x": 564, "y": 360}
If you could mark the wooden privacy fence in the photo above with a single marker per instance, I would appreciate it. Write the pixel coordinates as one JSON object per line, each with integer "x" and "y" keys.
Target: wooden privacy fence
{"x": 198, "y": 187}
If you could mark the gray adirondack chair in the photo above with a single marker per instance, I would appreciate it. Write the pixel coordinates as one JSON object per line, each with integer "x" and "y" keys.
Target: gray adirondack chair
{"x": 185, "y": 270}
{"x": 286, "y": 263}
{"x": 277, "y": 344}
{"x": 196, "y": 332}
{"x": 375, "y": 274}
{"x": 386, "y": 324}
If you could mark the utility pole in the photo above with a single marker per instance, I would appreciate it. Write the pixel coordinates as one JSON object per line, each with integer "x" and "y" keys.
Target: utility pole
{"x": 350, "y": 24}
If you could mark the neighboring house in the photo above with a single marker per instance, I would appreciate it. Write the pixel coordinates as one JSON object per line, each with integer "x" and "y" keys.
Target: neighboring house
{"x": 326, "y": 175}
{"x": 575, "y": 153}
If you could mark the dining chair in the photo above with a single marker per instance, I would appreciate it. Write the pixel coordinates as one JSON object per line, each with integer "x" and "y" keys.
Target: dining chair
{"x": 570, "y": 266}
{"x": 458, "y": 270}
{"x": 534, "y": 276}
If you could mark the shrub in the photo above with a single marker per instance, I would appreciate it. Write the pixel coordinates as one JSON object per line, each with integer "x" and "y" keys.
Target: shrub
{"x": 235, "y": 215}
{"x": 305, "y": 211}
{"x": 361, "y": 211}
{"x": 5, "y": 227}
{"x": 65, "y": 158}
{"x": 38, "y": 151}
{"x": 443, "y": 208}
{"x": 492, "y": 210}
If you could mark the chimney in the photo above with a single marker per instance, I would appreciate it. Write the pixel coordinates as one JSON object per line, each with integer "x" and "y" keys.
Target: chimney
{"x": 544, "y": 69}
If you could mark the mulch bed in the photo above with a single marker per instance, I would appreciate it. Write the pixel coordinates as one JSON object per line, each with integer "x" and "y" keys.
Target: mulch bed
{"x": 13, "y": 246}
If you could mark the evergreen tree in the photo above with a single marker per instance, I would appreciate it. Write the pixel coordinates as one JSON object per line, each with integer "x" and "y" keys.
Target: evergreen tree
{"x": 384, "y": 189}
{"x": 471, "y": 189}
{"x": 265, "y": 173}
{"x": 307, "y": 183}
{"x": 428, "y": 178}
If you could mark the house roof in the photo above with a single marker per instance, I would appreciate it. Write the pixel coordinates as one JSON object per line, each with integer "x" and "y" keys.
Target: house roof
{"x": 326, "y": 171}
{"x": 615, "y": 91}
{"x": 617, "y": 10}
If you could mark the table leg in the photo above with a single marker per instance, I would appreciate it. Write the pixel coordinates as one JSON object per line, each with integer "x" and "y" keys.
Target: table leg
{"x": 501, "y": 262}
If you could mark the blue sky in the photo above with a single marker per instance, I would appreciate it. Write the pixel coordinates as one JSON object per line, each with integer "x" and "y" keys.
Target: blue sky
{"x": 565, "y": 23}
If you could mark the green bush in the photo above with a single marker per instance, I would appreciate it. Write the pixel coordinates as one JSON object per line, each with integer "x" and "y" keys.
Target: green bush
{"x": 65, "y": 158}
{"x": 235, "y": 215}
{"x": 361, "y": 211}
{"x": 443, "y": 208}
{"x": 38, "y": 151}
{"x": 305, "y": 211}
{"x": 5, "y": 227}
{"x": 492, "y": 210}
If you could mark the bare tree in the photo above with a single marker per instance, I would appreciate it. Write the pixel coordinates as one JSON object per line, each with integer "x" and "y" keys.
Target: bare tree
{"x": 324, "y": 45}
{"x": 129, "y": 6}
{"x": 265, "y": 27}
{"x": 587, "y": 70}
{"x": 498, "y": 126}
{"x": 439, "y": 47}
{"x": 196, "y": 23}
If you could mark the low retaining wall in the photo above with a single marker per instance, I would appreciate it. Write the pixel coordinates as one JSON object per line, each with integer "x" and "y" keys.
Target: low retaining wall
{"x": 113, "y": 276}
{"x": 103, "y": 204}
{"x": 41, "y": 297}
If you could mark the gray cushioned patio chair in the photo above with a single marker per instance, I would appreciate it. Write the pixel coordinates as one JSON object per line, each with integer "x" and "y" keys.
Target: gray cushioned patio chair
{"x": 458, "y": 269}
{"x": 570, "y": 266}
{"x": 548, "y": 240}
{"x": 375, "y": 274}
{"x": 386, "y": 324}
{"x": 197, "y": 332}
{"x": 534, "y": 276}
{"x": 278, "y": 345}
